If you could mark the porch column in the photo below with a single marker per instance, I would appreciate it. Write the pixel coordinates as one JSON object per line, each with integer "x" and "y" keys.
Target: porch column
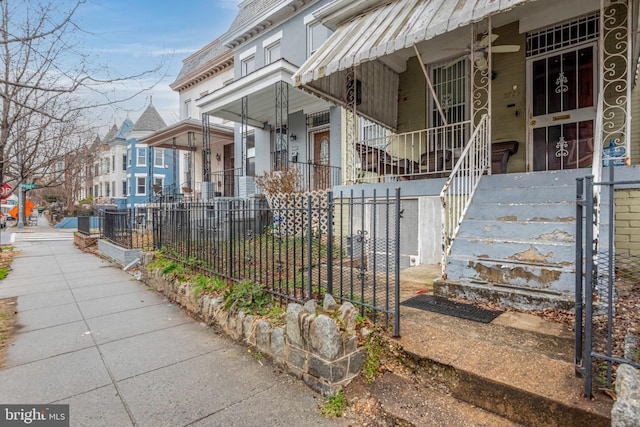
{"x": 206, "y": 149}
{"x": 350, "y": 125}
{"x": 280, "y": 154}
{"x": 176, "y": 184}
{"x": 190, "y": 137}
{"x": 244, "y": 130}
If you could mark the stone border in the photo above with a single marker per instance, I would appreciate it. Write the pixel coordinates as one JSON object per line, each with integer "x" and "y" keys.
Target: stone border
{"x": 319, "y": 343}
{"x": 118, "y": 254}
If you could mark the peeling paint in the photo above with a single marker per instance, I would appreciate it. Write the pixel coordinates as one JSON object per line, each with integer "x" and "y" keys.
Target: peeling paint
{"x": 506, "y": 275}
{"x": 557, "y": 236}
{"x": 559, "y": 219}
{"x": 508, "y": 218}
{"x": 532, "y": 255}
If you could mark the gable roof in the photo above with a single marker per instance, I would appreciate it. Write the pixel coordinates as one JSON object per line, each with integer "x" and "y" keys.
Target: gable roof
{"x": 150, "y": 120}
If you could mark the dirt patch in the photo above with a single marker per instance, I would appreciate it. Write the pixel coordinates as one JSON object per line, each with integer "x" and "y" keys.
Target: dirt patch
{"x": 8, "y": 310}
{"x": 8, "y": 306}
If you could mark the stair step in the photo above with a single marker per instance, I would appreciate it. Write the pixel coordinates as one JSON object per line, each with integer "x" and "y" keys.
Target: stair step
{"x": 522, "y": 230}
{"x": 484, "y": 209}
{"x": 532, "y": 179}
{"x": 535, "y": 277}
{"x": 540, "y": 194}
{"x": 501, "y": 370}
{"x": 541, "y": 252}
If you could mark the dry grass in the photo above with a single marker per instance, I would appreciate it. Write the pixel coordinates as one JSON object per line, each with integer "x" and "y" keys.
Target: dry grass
{"x": 8, "y": 307}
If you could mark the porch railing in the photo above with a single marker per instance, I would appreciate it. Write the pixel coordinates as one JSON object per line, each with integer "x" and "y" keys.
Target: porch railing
{"x": 456, "y": 195}
{"x": 411, "y": 155}
{"x": 317, "y": 177}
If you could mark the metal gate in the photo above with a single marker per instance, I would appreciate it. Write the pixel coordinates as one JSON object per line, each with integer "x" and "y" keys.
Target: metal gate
{"x": 607, "y": 278}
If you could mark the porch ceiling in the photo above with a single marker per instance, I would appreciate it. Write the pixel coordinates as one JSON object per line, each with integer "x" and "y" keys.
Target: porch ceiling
{"x": 164, "y": 138}
{"x": 260, "y": 89}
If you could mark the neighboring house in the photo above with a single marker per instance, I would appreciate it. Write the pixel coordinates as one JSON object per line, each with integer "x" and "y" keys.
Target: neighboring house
{"x": 109, "y": 166}
{"x": 277, "y": 126}
{"x": 149, "y": 170}
{"x": 204, "y": 147}
{"x": 492, "y": 110}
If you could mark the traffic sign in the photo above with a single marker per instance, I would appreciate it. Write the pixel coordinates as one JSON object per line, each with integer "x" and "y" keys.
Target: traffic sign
{"x": 28, "y": 186}
{"x": 5, "y": 190}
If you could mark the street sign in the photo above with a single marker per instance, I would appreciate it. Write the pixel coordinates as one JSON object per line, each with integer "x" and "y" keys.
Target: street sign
{"x": 28, "y": 186}
{"x": 5, "y": 190}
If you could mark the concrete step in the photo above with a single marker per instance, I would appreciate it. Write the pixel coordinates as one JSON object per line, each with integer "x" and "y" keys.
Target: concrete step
{"x": 524, "y": 231}
{"x": 485, "y": 209}
{"x": 530, "y": 179}
{"x": 522, "y": 373}
{"x": 533, "y": 194}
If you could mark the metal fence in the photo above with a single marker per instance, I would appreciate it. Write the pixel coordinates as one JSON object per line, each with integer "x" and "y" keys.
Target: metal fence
{"x": 303, "y": 248}
{"x": 607, "y": 310}
{"x": 129, "y": 229}
{"x": 84, "y": 225}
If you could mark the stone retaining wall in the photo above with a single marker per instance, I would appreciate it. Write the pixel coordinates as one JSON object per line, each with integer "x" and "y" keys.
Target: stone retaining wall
{"x": 83, "y": 241}
{"x": 319, "y": 343}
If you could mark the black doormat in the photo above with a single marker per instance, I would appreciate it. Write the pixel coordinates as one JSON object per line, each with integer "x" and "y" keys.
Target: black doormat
{"x": 446, "y": 306}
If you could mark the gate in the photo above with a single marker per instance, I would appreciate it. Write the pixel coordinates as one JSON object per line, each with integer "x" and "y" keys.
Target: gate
{"x": 608, "y": 289}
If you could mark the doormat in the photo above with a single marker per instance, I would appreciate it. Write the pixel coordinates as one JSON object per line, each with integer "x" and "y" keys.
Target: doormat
{"x": 446, "y": 306}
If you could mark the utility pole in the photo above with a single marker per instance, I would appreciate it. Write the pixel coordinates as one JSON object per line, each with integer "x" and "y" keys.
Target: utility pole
{"x": 20, "y": 191}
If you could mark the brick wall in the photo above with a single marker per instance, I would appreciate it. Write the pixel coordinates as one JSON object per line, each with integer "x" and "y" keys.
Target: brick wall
{"x": 627, "y": 214}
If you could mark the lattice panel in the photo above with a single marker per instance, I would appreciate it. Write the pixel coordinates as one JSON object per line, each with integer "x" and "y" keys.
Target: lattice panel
{"x": 291, "y": 213}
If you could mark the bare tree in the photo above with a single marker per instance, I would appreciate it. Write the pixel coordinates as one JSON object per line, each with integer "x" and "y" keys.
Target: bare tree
{"x": 45, "y": 80}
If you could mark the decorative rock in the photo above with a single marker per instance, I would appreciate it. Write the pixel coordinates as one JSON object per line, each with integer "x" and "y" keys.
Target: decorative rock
{"x": 293, "y": 325}
{"x": 311, "y": 307}
{"x": 329, "y": 302}
{"x": 146, "y": 258}
{"x": 331, "y": 371}
{"x": 263, "y": 335}
{"x": 347, "y": 316}
{"x": 277, "y": 342}
{"x": 240, "y": 324}
{"x": 356, "y": 363}
{"x": 627, "y": 407}
{"x": 319, "y": 386}
{"x": 325, "y": 338}
{"x": 297, "y": 358}
{"x": 247, "y": 326}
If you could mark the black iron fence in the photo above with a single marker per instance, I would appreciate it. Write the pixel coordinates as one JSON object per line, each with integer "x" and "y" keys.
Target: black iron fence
{"x": 300, "y": 248}
{"x": 129, "y": 229}
{"x": 607, "y": 310}
{"x": 317, "y": 177}
{"x": 84, "y": 225}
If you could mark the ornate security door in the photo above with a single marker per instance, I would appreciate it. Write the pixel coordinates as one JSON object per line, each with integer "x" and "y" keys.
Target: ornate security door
{"x": 562, "y": 87}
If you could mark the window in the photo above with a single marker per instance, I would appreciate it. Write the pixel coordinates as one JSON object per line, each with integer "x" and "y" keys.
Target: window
{"x": 113, "y": 163}
{"x": 272, "y": 53}
{"x": 107, "y": 188}
{"x": 158, "y": 181}
{"x": 158, "y": 157}
{"x": 248, "y": 65}
{"x": 251, "y": 154}
{"x": 129, "y": 157}
{"x": 141, "y": 185}
{"x": 124, "y": 188}
{"x": 113, "y": 187}
{"x": 316, "y": 35}
{"x": 142, "y": 157}
{"x": 187, "y": 109}
{"x": 124, "y": 162}
{"x": 95, "y": 191}
{"x": 106, "y": 165}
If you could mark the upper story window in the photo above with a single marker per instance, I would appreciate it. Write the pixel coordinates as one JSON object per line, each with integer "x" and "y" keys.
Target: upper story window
{"x": 272, "y": 53}
{"x": 158, "y": 157}
{"x": 124, "y": 162}
{"x": 316, "y": 35}
{"x": 187, "y": 109}
{"x": 129, "y": 157}
{"x": 272, "y": 50}
{"x": 141, "y": 159}
{"x": 248, "y": 65}
{"x": 247, "y": 61}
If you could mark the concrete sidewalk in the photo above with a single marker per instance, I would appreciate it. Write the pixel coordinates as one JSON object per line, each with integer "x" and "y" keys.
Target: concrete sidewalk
{"x": 120, "y": 355}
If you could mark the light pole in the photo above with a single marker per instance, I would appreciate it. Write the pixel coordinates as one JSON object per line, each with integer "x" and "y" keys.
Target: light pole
{"x": 20, "y": 191}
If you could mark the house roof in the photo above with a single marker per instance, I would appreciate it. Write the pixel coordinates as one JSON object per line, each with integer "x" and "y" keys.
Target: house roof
{"x": 209, "y": 60}
{"x": 125, "y": 128}
{"x": 251, "y": 10}
{"x": 389, "y": 28}
{"x": 111, "y": 134}
{"x": 149, "y": 121}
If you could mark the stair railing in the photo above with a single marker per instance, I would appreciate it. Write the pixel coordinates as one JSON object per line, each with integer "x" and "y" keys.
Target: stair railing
{"x": 598, "y": 146}
{"x": 461, "y": 185}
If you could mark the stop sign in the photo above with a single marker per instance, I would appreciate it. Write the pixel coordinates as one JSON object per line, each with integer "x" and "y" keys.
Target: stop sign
{"x": 5, "y": 190}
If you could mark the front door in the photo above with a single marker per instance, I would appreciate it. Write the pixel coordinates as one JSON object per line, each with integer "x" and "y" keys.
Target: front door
{"x": 322, "y": 173}
{"x": 562, "y": 87}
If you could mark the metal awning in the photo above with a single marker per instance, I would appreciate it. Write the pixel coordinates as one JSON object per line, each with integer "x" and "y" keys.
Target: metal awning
{"x": 392, "y": 27}
{"x": 179, "y": 133}
{"x": 259, "y": 88}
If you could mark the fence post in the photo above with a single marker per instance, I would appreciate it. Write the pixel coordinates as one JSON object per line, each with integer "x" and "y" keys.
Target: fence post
{"x": 330, "y": 242}
{"x": 396, "y": 326}
{"x": 230, "y": 223}
{"x": 578, "y": 289}
{"x": 588, "y": 287}
{"x": 309, "y": 248}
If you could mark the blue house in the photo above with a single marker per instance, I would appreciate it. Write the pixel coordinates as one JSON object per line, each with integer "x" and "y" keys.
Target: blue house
{"x": 149, "y": 170}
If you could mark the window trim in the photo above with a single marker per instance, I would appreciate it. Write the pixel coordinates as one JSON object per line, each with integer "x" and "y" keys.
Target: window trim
{"x": 138, "y": 157}
{"x": 155, "y": 157}
{"x": 137, "y": 177}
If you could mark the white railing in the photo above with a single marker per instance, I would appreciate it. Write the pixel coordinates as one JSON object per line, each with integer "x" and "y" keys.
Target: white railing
{"x": 458, "y": 191}
{"x": 598, "y": 146}
{"x": 412, "y": 155}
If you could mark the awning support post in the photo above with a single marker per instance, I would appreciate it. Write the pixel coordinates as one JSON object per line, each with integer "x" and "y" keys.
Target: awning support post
{"x": 431, "y": 89}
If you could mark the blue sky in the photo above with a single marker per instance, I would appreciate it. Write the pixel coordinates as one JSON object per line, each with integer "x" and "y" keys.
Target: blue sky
{"x": 132, "y": 36}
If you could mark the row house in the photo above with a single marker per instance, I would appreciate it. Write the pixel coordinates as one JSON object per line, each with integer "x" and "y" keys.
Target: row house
{"x": 491, "y": 110}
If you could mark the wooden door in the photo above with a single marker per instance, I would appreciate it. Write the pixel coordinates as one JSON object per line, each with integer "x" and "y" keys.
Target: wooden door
{"x": 322, "y": 171}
